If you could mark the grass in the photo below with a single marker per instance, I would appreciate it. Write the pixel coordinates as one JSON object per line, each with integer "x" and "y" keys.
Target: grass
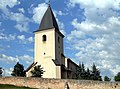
{"x": 6, "y": 86}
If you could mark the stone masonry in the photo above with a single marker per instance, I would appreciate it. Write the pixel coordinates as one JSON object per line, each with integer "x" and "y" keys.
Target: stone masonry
{"x": 42, "y": 83}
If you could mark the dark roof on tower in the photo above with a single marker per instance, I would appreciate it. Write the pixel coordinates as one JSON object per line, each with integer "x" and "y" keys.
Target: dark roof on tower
{"x": 48, "y": 20}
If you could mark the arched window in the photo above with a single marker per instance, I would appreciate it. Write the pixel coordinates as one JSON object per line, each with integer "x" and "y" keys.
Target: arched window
{"x": 44, "y": 38}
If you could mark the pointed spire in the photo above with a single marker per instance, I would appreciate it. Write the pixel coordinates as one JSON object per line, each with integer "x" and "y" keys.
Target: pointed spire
{"x": 48, "y": 20}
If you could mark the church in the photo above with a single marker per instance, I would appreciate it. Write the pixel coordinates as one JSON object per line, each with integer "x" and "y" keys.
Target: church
{"x": 49, "y": 50}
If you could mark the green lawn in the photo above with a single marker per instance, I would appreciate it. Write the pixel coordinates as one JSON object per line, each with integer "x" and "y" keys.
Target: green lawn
{"x": 6, "y": 86}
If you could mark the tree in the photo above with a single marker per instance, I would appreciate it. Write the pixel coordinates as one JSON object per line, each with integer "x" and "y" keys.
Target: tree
{"x": 79, "y": 71}
{"x": 18, "y": 70}
{"x": 88, "y": 74}
{"x": 83, "y": 73}
{"x": 95, "y": 73}
{"x": 38, "y": 71}
{"x": 106, "y": 78}
{"x": 117, "y": 77}
{"x": 1, "y": 71}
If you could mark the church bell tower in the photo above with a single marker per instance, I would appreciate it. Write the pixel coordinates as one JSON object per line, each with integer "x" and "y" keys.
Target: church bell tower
{"x": 48, "y": 46}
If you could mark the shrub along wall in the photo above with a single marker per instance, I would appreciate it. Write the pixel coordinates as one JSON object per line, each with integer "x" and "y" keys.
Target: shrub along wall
{"x": 58, "y": 83}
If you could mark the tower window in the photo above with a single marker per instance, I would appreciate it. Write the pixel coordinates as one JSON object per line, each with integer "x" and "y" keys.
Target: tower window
{"x": 44, "y": 53}
{"x": 44, "y": 38}
{"x": 58, "y": 39}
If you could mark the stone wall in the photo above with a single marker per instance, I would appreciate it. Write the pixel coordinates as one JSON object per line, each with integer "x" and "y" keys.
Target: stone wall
{"x": 58, "y": 83}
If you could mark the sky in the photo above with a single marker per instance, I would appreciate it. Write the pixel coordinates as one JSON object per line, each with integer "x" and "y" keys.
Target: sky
{"x": 91, "y": 29}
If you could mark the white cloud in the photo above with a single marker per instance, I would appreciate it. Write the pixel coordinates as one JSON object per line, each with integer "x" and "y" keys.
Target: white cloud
{"x": 7, "y": 37}
{"x": 61, "y": 13}
{"x": 0, "y": 23}
{"x": 22, "y": 27}
{"x": 8, "y": 59}
{"x": 96, "y": 39}
{"x": 60, "y": 24}
{"x": 21, "y": 10}
{"x": 30, "y": 39}
{"x": 13, "y": 60}
{"x": 18, "y": 17}
{"x": 11, "y": 37}
{"x": 46, "y": 1}
{"x": 96, "y": 3}
{"x": 22, "y": 39}
{"x": 75, "y": 33}
{"x": 10, "y": 3}
{"x": 8, "y": 71}
{"x": 4, "y": 47}
{"x": 30, "y": 50}
{"x": 97, "y": 42}
{"x": 38, "y": 12}
{"x": 28, "y": 59}
{"x": 116, "y": 69}
{"x": 22, "y": 22}
{"x": 98, "y": 10}
{"x": 4, "y": 4}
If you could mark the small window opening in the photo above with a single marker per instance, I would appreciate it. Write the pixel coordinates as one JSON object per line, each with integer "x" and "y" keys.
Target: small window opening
{"x": 58, "y": 39}
{"x": 44, "y": 38}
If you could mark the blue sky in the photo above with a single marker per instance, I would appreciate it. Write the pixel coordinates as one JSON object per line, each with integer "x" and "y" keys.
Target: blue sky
{"x": 91, "y": 29}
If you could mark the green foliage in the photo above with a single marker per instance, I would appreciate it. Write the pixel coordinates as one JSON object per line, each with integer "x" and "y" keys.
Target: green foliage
{"x": 106, "y": 78}
{"x": 81, "y": 73}
{"x": 93, "y": 74}
{"x": 1, "y": 71}
{"x": 117, "y": 77}
{"x": 18, "y": 70}
{"x": 87, "y": 74}
{"x": 38, "y": 71}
